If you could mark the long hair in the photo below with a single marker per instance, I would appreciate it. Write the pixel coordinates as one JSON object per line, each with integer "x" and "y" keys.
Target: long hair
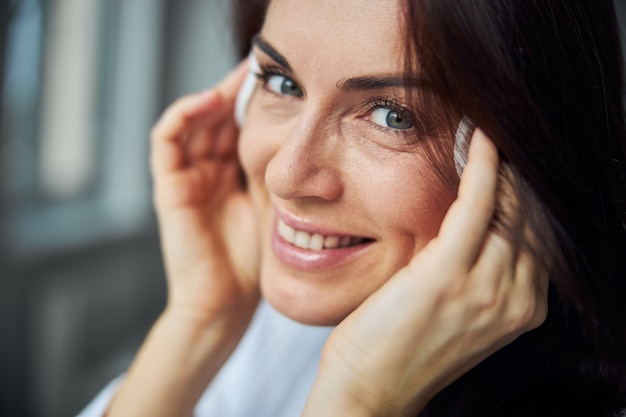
{"x": 544, "y": 80}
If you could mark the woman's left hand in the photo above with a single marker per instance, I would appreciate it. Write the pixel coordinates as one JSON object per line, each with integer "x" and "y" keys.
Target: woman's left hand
{"x": 465, "y": 295}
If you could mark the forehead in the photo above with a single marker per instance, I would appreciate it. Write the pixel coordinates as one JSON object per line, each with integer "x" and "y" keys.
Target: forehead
{"x": 349, "y": 35}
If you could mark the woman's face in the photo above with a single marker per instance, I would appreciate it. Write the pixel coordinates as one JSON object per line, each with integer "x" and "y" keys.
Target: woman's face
{"x": 344, "y": 195}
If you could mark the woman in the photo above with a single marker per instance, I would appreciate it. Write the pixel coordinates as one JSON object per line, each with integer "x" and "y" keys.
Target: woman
{"x": 501, "y": 294}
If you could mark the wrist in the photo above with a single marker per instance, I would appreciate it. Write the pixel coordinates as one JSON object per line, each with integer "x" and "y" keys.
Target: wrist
{"x": 340, "y": 389}
{"x": 329, "y": 399}
{"x": 209, "y": 337}
{"x": 177, "y": 361}
{"x": 200, "y": 319}
{"x": 198, "y": 345}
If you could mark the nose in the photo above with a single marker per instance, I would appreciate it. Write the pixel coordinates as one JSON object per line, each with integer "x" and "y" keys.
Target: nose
{"x": 307, "y": 163}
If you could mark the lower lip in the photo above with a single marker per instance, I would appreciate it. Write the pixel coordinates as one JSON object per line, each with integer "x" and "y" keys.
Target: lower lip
{"x": 314, "y": 260}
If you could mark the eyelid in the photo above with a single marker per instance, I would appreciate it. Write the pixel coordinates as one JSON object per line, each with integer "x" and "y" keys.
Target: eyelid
{"x": 388, "y": 102}
{"x": 267, "y": 70}
{"x": 270, "y": 69}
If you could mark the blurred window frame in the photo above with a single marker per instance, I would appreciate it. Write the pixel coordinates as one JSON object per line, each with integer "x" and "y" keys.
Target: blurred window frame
{"x": 113, "y": 200}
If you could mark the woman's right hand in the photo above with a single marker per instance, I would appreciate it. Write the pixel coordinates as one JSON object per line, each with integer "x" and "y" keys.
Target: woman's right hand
{"x": 207, "y": 224}
{"x": 210, "y": 245}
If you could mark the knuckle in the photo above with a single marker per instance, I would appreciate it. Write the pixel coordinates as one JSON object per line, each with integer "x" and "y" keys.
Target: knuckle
{"x": 541, "y": 314}
{"x": 526, "y": 314}
{"x": 486, "y": 300}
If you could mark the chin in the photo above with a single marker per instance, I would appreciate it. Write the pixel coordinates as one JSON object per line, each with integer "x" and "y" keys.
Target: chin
{"x": 305, "y": 303}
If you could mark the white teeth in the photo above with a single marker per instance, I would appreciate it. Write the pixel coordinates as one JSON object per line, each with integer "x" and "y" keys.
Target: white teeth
{"x": 331, "y": 242}
{"x": 315, "y": 241}
{"x": 302, "y": 239}
{"x": 287, "y": 232}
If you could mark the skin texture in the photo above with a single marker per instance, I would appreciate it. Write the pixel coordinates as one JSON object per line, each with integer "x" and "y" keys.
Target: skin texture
{"x": 421, "y": 304}
{"x": 319, "y": 157}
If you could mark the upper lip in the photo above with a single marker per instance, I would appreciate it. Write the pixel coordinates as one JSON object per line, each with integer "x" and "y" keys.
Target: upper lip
{"x": 308, "y": 226}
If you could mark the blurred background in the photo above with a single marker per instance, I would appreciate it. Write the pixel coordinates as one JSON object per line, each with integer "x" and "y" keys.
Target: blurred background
{"x": 81, "y": 278}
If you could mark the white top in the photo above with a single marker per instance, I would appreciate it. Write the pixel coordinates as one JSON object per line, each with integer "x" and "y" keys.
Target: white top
{"x": 270, "y": 373}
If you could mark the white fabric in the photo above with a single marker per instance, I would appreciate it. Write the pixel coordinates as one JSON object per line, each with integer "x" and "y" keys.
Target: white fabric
{"x": 269, "y": 375}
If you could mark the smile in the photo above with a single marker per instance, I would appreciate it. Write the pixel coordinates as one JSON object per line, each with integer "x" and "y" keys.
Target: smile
{"x": 315, "y": 249}
{"x": 315, "y": 241}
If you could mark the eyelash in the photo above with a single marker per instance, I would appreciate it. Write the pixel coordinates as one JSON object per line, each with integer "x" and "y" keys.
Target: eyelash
{"x": 267, "y": 71}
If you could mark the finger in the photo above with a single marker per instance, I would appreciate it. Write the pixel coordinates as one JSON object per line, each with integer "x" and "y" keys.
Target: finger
{"x": 226, "y": 92}
{"x": 174, "y": 125}
{"x": 229, "y": 86}
{"x": 532, "y": 279}
{"x": 226, "y": 144}
{"x": 464, "y": 226}
{"x": 183, "y": 113}
{"x": 213, "y": 142}
{"x": 511, "y": 284}
{"x": 215, "y": 135}
{"x": 495, "y": 262}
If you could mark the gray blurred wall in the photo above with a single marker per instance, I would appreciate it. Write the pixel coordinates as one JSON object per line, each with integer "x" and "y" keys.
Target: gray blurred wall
{"x": 81, "y": 276}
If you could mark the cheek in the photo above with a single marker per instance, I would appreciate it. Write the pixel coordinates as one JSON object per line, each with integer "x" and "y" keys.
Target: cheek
{"x": 248, "y": 154}
{"x": 255, "y": 149}
{"x": 411, "y": 202}
{"x": 259, "y": 139}
{"x": 429, "y": 206}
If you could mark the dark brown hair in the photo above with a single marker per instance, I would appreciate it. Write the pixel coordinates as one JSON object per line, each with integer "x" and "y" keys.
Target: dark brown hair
{"x": 544, "y": 80}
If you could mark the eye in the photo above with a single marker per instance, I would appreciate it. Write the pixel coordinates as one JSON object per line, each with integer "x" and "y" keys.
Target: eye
{"x": 283, "y": 85}
{"x": 391, "y": 118}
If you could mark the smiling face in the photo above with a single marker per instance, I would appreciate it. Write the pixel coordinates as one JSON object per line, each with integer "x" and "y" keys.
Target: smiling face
{"x": 344, "y": 193}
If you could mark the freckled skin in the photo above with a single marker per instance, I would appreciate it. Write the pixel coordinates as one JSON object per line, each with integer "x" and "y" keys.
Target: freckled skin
{"x": 319, "y": 157}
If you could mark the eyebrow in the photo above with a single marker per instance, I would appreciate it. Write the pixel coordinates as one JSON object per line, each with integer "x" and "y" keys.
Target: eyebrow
{"x": 365, "y": 83}
{"x": 377, "y": 83}
{"x": 271, "y": 51}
